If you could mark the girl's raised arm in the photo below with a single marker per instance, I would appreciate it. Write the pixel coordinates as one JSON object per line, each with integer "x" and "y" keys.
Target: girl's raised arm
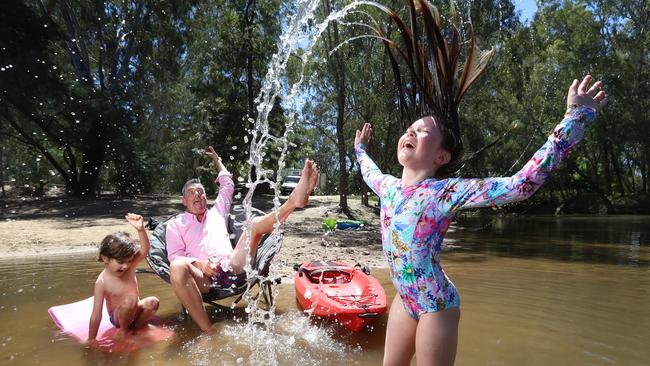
{"x": 373, "y": 177}
{"x": 583, "y": 103}
{"x": 137, "y": 221}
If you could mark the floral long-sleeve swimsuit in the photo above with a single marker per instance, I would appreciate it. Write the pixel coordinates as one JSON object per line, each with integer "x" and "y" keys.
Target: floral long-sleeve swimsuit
{"x": 414, "y": 219}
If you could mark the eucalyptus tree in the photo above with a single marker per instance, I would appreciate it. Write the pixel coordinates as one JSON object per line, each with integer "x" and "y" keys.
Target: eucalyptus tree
{"x": 607, "y": 40}
{"x": 78, "y": 70}
{"x": 117, "y": 93}
{"x": 623, "y": 28}
{"x": 347, "y": 86}
{"x": 337, "y": 69}
{"x": 228, "y": 45}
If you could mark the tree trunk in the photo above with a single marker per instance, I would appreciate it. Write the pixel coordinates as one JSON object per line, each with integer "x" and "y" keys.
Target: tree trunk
{"x": 646, "y": 174}
{"x": 2, "y": 171}
{"x": 364, "y": 194}
{"x": 594, "y": 186}
{"x": 606, "y": 171}
{"x": 644, "y": 180}
{"x": 249, "y": 14}
{"x": 632, "y": 181}
{"x": 89, "y": 176}
{"x": 337, "y": 66}
{"x": 617, "y": 171}
{"x": 340, "y": 137}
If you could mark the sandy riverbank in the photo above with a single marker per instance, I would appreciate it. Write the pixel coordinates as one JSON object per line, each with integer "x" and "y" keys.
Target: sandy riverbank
{"x": 53, "y": 226}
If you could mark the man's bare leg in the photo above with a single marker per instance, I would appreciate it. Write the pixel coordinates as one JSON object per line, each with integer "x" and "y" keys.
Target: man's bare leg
{"x": 263, "y": 225}
{"x": 189, "y": 283}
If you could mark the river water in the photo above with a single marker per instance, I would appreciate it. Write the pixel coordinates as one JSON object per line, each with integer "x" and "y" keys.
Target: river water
{"x": 534, "y": 291}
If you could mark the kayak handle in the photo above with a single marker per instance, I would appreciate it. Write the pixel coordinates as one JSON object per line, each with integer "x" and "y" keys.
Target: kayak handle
{"x": 363, "y": 268}
{"x": 326, "y": 275}
{"x": 319, "y": 271}
{"x": 368, "y": 315}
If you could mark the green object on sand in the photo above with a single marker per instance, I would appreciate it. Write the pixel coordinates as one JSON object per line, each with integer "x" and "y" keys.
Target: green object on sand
{"x": 329, "y": 223}
{"x": 332, "y": 224}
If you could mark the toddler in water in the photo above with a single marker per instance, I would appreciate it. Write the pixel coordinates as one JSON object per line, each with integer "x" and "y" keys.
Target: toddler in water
{"x": 118, "y": 285}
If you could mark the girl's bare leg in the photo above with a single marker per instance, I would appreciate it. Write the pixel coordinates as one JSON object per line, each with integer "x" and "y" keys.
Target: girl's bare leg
{"x": 437, "y": 338}
{"x": 125, "y": 313}
{"x": 400, "y": 335}
{"x": 263, "y": 225}
{"x": 147, "y": 307}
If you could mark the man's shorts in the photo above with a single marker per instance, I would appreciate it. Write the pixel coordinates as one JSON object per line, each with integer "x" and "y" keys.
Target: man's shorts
{"x": 228, "y": 279}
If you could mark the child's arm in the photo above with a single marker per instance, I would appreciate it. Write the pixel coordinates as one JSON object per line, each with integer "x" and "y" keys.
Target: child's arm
{"x": 373, "y": 177}
{"x": 96, "y": 316}
{"x": 138, "y": 223}
{"x": 226, "y": 185}
{"x": 472, "y": 193}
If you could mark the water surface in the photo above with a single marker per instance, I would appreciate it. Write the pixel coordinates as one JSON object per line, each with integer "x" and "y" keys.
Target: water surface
{"x": 534, "y": 291}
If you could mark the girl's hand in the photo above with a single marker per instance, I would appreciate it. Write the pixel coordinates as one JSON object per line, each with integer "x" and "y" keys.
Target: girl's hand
{"x": 92, "y": 343}
{"x": 136, "y": 221}
{"x": 580, "y": 94}
{"x": 363, "y": 136}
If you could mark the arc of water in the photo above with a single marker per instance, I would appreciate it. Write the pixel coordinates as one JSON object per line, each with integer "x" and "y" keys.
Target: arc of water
{"x": 296, "y": 31}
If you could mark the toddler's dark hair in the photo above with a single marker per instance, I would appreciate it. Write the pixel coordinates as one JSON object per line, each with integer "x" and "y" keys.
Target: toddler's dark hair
{"x": 118, "y": 246}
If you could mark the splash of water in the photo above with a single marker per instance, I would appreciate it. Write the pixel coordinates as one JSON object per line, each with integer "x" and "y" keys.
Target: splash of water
{"x": 298, "y": 38}
{"x": 293, "y": 339}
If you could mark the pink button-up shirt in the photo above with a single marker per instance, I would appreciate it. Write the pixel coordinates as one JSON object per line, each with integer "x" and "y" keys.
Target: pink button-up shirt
{"x": 191, "y": 239}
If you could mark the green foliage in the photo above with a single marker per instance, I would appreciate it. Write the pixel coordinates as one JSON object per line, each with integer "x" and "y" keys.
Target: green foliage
{"x": 124, "y": 96}
{"x": 227, "y": 47}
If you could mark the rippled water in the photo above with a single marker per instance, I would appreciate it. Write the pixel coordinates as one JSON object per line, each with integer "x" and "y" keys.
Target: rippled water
{"x": 534, "y": 291}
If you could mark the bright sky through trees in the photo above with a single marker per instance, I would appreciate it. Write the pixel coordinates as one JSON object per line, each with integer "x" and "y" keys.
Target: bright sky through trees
{"x": 527, "y": 8}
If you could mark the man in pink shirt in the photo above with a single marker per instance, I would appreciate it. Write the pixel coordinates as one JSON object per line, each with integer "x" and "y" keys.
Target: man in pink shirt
{"x": 198, "y": 242}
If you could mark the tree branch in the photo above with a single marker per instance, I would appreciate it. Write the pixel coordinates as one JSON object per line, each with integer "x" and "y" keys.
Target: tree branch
{"x": 32, "y": 142}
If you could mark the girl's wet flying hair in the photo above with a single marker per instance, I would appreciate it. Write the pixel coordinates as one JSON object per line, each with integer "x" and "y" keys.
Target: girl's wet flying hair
{"x": 118, "y": 246}
{"x": 433, "y": 84}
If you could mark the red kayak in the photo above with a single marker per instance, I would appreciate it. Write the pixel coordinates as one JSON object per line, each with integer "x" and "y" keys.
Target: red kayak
{"x": 339, "y": 291}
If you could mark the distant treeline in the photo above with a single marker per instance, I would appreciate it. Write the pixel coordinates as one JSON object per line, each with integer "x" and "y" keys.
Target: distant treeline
{"x": 122, "y": 96}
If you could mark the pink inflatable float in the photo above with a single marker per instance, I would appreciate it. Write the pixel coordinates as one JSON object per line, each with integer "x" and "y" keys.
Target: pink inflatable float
{"x": 73, "y": 319}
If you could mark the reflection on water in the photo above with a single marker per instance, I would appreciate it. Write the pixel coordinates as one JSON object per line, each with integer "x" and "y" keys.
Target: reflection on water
{"x": 28, "y": 336}
{"x": 621, "y": 240}
{"x": 535, "y": 291}
{"x": 541, "y": 312}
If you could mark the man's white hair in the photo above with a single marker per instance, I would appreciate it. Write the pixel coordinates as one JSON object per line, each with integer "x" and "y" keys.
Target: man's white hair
{"x": 191, "y": 182}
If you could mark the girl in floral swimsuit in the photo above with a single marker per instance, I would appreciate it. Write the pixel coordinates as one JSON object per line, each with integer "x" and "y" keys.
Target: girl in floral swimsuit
{"x": 416, "y": 211}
